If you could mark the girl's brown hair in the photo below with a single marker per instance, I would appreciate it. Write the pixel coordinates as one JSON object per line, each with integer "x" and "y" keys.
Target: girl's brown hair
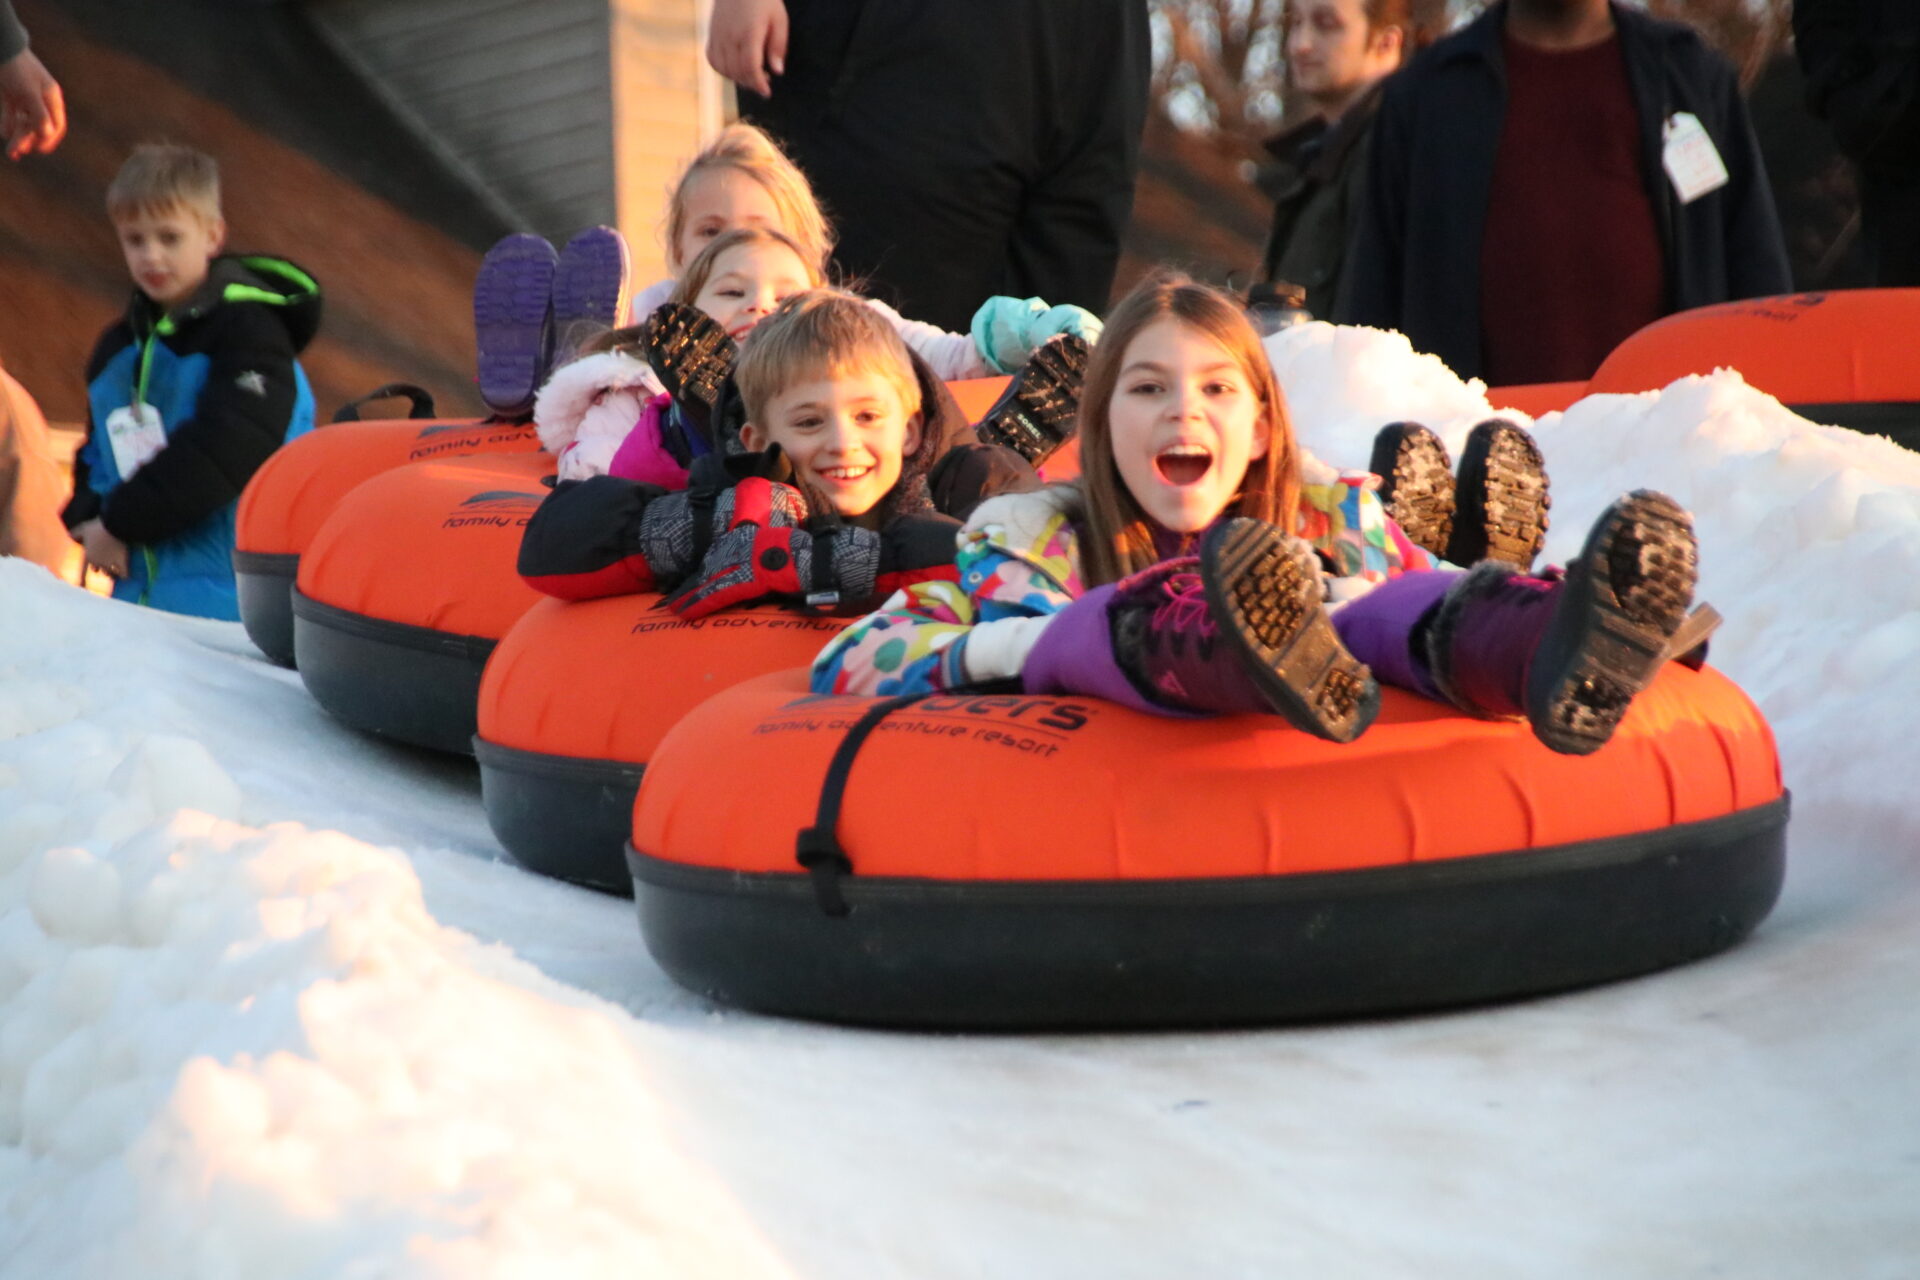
{"x": 743, "y": 147}
{"x": 697, "y": 272}
{"x": 1118, "y": 533}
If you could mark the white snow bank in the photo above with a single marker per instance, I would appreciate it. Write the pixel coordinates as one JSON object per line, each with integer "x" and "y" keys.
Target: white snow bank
{"x": 232, "y": 1044}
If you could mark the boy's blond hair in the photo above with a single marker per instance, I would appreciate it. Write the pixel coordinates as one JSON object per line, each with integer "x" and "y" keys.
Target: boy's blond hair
{"x": 743, "y": 147}
{"x": 160, "y": 177}
{"x": 694, "y": 278}
{"x": 821, "y": 334}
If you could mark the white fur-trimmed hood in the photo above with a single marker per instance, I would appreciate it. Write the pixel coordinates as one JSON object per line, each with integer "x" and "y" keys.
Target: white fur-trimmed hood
{"x": 570, "y": 390}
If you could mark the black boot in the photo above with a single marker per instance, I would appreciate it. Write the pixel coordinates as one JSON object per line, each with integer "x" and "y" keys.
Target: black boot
{"x": 1040, "y": 409}
{"x": 1416, "y": 483}
{"x": 694, "y": 359}
{"x": 1500, "y": 497}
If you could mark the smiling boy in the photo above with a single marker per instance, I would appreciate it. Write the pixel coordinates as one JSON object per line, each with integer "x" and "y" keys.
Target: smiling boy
{"x": 189, "y": 393}
{"x": 829, "y": 504}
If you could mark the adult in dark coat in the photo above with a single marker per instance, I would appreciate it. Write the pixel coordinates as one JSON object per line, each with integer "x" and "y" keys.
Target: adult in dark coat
{"x": 963, "y": 148}
{"x": 1862, "y": 60}
{"x": 1338, "y": 51}
{"x": 1449, "y": 162}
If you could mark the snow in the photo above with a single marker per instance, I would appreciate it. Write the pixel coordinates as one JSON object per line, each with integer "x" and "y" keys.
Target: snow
{"x": 273, "y": 1004}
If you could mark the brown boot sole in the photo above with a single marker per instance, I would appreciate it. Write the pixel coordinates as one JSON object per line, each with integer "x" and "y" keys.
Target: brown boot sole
{"x": 691, "y": 354}
{"x": 1501, "y": 498}
{"x": 1416, "y": 483}
{"x": 1040, "y": 409}
{"x": 1613, "y": 627}
{"x": 1266, "y": 599}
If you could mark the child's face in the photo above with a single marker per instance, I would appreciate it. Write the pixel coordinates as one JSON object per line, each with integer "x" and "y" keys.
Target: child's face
{"x": 719, "y": 200}
{"x": 168, "y": 252}
{"x": 748, "y": 282}
{"x": 848, "y": 437}
{"x": 1186, "y": 422}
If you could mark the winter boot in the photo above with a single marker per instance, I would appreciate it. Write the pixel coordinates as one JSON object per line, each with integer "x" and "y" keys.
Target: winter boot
{"x": 1500, "y": 498}
{"x": 693, "y": 357}
{"x": 1416, "y": 483}
{"x": 1242, "y": 629}
{"x": 513, "y": 322}
{"x": 1570, "y": 655}
{"x": 1040, "y": 408}
{"x": 592, "y": 286}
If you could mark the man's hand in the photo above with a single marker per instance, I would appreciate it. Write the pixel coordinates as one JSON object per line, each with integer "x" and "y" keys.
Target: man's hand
{"x": 747, "y": 40}
{"x": 104, "y": 551}
{"x": 33, "y": 115}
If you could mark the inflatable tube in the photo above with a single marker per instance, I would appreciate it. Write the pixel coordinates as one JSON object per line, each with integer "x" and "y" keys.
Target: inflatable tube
{"x": 407, "y": 587}
{"x": 1023, "y": 861}
{"x": 285, "y": 503}
{"x": 1843, "y": 358}
{"x": 1536, "y": 399}
{"x": 578, "y": 695}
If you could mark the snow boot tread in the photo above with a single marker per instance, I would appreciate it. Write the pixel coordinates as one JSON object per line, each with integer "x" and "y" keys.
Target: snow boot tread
{"x": 1611, "y": 632}
{"x": 1501, "y": 497}
{"x": 1039, "y": 410}
{"x": 1265, "y": 595}
{"x": 1416, "y": 483}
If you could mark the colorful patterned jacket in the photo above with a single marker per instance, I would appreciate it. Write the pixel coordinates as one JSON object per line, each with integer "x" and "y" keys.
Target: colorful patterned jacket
{"x": 1019, "y": 563}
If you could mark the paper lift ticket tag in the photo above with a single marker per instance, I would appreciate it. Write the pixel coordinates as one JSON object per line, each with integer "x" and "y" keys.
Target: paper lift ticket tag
{"x": 136, "y": 434}
{"x": 1690, "y": 158}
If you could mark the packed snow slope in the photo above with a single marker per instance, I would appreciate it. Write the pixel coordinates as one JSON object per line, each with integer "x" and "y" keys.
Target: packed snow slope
{"x": 273, "y": 1005}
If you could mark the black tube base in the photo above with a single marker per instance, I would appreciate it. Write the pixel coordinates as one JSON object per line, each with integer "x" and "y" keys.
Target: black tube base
{"x": 408, "y": 683}
{"x": 1196, "y": 953}
{"x": 559, "y": 815}
{"x": 265, "y": 583}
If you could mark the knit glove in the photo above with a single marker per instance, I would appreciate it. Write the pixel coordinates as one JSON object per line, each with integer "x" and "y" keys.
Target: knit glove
{"x": 1007, "y": 331}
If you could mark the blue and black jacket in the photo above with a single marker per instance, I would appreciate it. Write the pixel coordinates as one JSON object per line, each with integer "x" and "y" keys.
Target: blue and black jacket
{"x": 221, "y": 370}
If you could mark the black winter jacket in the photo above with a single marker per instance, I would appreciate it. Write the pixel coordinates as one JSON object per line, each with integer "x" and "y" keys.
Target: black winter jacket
{"x": 1414, "y": 264}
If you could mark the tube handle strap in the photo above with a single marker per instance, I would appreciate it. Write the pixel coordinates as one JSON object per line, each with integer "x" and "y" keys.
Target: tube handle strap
{"x": 818, "y": 847}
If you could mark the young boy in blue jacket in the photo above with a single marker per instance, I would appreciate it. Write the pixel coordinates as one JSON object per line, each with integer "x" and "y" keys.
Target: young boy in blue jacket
{"x": 189, "y": 393}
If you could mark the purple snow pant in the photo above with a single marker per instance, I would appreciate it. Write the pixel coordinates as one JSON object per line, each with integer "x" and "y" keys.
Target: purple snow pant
{"x": 1075, "y": 653}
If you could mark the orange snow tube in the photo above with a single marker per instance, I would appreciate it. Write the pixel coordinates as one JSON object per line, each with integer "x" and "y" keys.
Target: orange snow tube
{"x": 578, "y": 695}
{"x": 1536, "y": 399}
{"x": 285, "y": 503}
{"x": 407, "y": 587}
{"x": 1844, "y": 357}
{"x": 974, "y": 860}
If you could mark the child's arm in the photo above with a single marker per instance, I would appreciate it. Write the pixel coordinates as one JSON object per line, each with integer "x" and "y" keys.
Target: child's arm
{"x": 941, "y": 635}
{"x": 239, "y": 419}
{"x": 1005, "y": 332}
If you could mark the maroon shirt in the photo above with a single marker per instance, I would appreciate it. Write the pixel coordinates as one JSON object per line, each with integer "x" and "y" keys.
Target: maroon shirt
{"x": 1571, "y": 262}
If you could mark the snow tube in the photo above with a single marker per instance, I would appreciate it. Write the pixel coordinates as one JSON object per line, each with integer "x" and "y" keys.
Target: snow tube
{"x": 407, "y": 587}
{"x": 1011, "y": 861}
{"x": 1843, "y": 357}
{"x": 577, "y": 696}
{"x": 1536, "y": 399}
{"x": 285, "y": 503}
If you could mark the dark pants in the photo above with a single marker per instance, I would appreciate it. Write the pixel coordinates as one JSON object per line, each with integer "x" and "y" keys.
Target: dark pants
{"x": 967, "y": 148}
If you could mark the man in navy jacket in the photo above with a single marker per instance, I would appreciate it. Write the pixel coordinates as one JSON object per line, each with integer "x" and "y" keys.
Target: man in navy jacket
{"x": 1551, "y": 178}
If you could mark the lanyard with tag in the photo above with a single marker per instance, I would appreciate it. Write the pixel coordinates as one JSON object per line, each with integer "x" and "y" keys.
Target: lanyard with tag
{"x": 136, "y": 432}
{"x": 1692, "y": 162}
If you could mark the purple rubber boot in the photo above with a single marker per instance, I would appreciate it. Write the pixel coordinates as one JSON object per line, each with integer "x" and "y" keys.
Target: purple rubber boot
{"x": 592, "y": 288}
{"x": 512, "y": 322}
{"x": 1571, "y": 655}
{"x": 1243, "y": 629}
